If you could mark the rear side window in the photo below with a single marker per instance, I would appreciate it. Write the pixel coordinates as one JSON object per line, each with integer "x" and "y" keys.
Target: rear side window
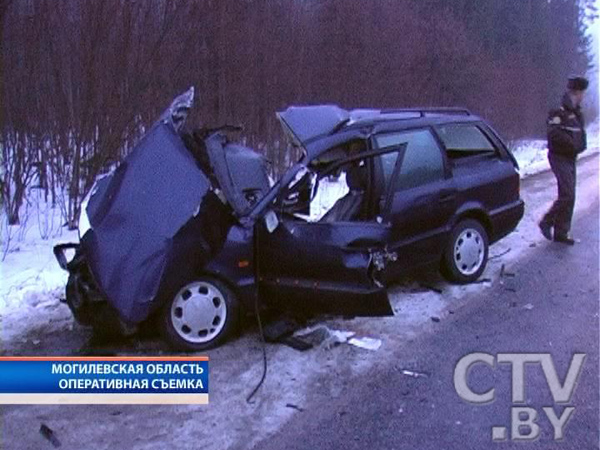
{"x": 388, "y": 163}
{"x": 422, "y": 162}
{"x": 463, "y": 140}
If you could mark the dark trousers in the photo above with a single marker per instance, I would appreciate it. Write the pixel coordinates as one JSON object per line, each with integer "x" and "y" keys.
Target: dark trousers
{"x": 560, "y": 214}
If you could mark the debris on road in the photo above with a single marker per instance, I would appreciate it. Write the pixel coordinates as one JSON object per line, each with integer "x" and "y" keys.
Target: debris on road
{"x": 297, "y": 344}
{"x": 48, "y": 434}
{"x": 504, "y": 273}
{"x": 327, "y": 338}
{"x": 499, "y": 254}
{"x": 415, "y": 374}
{"x": 528, "y": 306}
{"x": 279, "y": 329}
{"x": 296, "y": 407}
{"x": 323, "y": 336}
{"x": 366, "y": 342}
{"x": 435, "y": 319}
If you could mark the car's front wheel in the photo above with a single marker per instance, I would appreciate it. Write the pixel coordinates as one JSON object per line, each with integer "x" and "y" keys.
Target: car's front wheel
{"x": 201, "y": 315}
{"x": 466, "y": 254}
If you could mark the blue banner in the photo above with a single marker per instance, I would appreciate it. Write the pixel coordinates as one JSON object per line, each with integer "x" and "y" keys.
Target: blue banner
{"x": 103, "y": 375}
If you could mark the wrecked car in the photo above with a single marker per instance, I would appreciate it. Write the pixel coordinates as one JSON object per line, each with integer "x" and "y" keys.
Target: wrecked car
{"x": 188, "y": 231}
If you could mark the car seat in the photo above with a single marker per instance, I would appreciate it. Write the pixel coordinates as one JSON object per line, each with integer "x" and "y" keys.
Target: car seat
{"x": 350, "y": 205}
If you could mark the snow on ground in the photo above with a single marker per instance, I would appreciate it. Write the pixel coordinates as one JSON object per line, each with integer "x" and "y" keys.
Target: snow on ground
{"x": 32, "y": 282}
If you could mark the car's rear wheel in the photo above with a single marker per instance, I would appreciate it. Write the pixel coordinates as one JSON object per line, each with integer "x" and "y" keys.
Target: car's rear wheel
{"x": 201, "y": 315}
{"x": 466, "y": 254}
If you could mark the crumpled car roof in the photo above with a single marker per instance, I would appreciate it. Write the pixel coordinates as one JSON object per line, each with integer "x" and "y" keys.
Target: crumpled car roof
{"x": 309, "y": 122}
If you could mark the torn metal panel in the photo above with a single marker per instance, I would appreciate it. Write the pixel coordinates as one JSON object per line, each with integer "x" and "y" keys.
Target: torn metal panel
{"x": 175, "y": 115}
{"x": 304, "y": 123}
{"x": 134, "y": 216}
{"x": 241, "y": 173}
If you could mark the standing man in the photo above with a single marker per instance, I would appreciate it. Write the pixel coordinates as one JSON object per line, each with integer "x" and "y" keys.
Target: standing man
{"x": 566, "y": 139}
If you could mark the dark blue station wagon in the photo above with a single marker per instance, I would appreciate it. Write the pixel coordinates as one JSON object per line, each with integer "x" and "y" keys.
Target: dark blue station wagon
{"x": 189, "y": 230}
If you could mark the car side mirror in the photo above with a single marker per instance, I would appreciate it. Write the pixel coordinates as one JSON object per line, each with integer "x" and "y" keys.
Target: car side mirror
{"x": 271, "y": 221}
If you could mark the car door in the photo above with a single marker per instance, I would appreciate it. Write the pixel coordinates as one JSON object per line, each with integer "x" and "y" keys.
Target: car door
{"x": 482, "y": 171}
{"x": 421, "y": 198}
{"x": 325, "y": 266}
{"x": 485, "y": 174}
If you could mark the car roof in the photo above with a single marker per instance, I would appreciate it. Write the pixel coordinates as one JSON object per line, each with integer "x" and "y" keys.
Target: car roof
{"x": 310, "y": 123}
{"x": 399, "y": 119}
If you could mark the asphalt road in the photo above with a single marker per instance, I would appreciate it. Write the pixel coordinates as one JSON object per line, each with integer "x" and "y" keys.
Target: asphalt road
{"x": 547, "y": 303}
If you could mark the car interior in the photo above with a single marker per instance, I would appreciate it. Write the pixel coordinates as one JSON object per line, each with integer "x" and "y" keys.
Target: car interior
{"x": 345, "y": 184}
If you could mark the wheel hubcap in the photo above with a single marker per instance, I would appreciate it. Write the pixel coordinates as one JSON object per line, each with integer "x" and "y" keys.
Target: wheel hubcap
{"x": 468, "y": 251}
{"x": 198, "y": 312}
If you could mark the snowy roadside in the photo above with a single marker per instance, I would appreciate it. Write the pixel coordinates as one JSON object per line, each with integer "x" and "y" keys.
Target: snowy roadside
{"x": 531, "y": 154}
{"x": 32, "y": 282}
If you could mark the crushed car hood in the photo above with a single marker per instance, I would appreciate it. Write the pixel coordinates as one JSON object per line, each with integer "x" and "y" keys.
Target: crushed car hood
{"x": 140, "y": 218}
{"x": 166, "y": 211}
{"x": 134, "y": 216}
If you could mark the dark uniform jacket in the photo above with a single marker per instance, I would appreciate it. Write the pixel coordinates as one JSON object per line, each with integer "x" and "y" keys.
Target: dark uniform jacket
{"x": 566, "y": 130}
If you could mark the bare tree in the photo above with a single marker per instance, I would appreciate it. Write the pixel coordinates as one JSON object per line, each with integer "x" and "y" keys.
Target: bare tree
{"x": 83, "y": 80}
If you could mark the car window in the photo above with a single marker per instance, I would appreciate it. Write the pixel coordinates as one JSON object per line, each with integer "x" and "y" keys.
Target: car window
{"x": 464, "y": 140}
{"x": 422, "y": 162}
{"x": 388, "y": 163}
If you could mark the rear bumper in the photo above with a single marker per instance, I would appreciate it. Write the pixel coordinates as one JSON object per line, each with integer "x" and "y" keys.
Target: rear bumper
{"x": 505, "y": 220}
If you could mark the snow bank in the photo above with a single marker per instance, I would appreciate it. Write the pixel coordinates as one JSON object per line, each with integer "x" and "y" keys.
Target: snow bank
{"x": 532, "y": 154}
{"x": 28, "y": 269}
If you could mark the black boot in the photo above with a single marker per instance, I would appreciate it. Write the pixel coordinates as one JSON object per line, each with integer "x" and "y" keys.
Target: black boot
{"x": 546, "y": 230}
{"x": 564, "y": 239}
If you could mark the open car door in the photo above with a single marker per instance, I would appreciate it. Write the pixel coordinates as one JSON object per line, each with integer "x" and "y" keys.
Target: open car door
{"x": 323, "y": 267}
{"x": 327, "y": 266}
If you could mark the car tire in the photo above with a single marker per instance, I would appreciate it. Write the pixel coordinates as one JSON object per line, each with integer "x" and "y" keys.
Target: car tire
{"x": 201, "y": 315}
{"x": 466, "y": 253}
